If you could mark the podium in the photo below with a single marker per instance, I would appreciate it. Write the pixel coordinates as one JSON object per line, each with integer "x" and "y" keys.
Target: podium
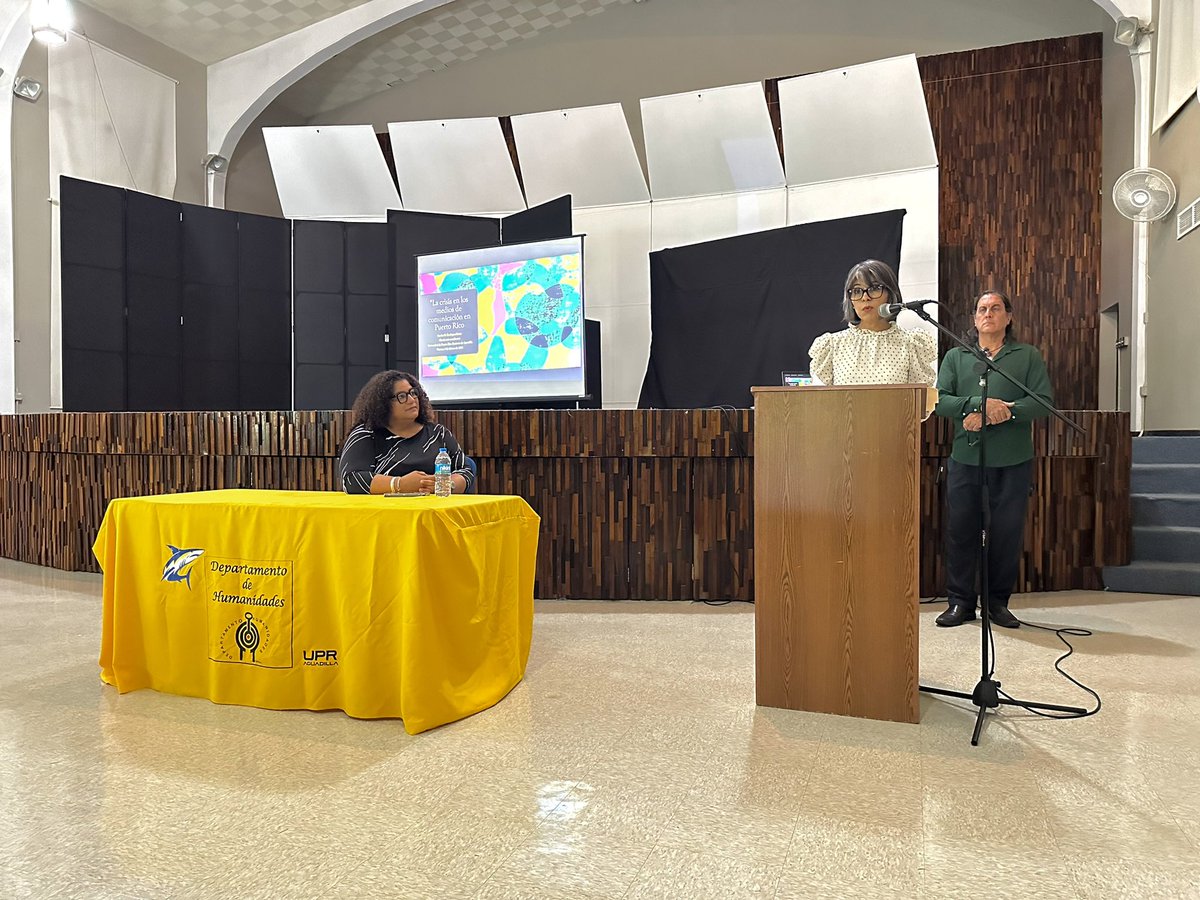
{"x": 836, "y": 538}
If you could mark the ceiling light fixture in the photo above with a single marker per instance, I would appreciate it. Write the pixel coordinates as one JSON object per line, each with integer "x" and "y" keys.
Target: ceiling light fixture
{"x": 50, "y": 21}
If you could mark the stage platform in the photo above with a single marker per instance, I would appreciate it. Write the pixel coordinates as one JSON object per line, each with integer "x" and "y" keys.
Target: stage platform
{"x": 635, "y": 504}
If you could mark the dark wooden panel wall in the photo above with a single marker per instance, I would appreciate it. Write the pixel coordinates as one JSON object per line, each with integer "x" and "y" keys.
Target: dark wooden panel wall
{"x": 637, "y": 504}
{"x": 1018, "y": 136}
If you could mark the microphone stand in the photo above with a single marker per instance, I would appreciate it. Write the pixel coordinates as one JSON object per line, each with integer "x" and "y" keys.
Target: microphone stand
{"x": 987, "y": 692}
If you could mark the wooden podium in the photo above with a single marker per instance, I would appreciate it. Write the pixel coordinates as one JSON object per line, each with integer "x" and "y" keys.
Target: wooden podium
{"x": 836, "y": 507}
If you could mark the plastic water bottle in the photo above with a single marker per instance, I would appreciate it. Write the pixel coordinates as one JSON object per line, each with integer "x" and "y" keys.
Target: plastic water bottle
{"x": 442, "y": 486}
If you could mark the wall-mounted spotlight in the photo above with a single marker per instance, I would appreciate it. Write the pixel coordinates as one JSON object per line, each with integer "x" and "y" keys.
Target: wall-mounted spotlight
{"x": 27, "y": 88}
{"x": 50, "y": 21}
{"x": 215, "y": 164}
{"x": 1130, "y": 30}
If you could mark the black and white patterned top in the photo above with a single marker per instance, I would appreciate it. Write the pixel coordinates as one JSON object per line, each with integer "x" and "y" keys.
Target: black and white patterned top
{"x": 858, "y": 356}
{"x": 367, "y": 453}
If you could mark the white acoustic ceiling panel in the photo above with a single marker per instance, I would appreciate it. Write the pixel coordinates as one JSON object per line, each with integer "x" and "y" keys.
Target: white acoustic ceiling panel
{"x": 587, "y": 153}
{"x": 455, "y": 166}
{"x": 677, "y": 223}
{"x": 860, "y": 120}
{"x": 331, "y": 172}
{"x": 717, "y": 141}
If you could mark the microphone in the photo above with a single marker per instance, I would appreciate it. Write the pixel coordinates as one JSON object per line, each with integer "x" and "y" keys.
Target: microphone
{"x": 891, "y": 310}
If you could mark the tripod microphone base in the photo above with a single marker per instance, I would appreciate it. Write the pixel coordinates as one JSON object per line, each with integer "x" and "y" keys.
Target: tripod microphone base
{"x": 987, "y": 696}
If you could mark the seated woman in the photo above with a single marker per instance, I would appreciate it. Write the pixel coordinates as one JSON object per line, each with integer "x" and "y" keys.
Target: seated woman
{"x": 394, "y": 442}
{"x": 873, "y": 350}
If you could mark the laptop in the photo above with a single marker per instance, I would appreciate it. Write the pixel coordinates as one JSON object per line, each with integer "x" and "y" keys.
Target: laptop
{"x": 797, "y": 379}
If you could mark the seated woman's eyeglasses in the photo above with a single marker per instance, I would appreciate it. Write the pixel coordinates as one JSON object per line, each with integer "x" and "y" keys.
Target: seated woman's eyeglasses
{"x": 873, "y": 292}
{"x": 402, "y": 396}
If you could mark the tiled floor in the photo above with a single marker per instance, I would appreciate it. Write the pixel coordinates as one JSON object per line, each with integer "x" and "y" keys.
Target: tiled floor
{"x": 632, "y": 762}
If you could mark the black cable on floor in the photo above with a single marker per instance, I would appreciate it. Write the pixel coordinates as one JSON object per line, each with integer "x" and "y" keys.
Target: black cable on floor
{"x": 1060, "y": 633}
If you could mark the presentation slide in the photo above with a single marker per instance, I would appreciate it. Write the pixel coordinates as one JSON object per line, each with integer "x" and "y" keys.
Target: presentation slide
{"x": 502, "y": 323}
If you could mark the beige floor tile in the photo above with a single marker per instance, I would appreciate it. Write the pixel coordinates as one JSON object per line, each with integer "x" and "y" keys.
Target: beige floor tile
{"x": 989, "y": 869}
{"x": 738, "y": 832}
{"x": 571, "y": 861}
{"x": 704, "y": 875}
{"x": 857, "y": 858}
{"x": 1101, "y": 878}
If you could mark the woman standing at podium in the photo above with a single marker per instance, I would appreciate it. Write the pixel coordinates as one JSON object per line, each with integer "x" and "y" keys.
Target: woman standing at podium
{"x": 872, "y": 349}
{"x": 394, "y": 442}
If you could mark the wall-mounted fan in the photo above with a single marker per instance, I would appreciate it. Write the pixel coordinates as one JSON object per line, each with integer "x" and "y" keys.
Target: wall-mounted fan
{"x": 1144, "y": 195}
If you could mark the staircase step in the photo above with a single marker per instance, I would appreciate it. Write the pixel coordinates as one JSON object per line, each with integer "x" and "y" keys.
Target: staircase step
{"x": 1182, "y": 448}
{"x": 1181, "y": 579}
{"x": 1162, "y": 543}
{"x": 1179, "y": 510}
{"x": 1165, "y": 478}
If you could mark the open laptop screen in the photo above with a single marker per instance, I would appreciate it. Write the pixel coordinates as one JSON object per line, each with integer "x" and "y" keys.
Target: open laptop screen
{"x": 797, "y": 379}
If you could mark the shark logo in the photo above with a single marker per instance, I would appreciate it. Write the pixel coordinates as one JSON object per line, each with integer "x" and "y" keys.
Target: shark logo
{"x": 178, "y": 567}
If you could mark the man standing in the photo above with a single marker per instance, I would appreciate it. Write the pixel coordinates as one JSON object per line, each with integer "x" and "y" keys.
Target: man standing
{"x": 1008, "y": 468}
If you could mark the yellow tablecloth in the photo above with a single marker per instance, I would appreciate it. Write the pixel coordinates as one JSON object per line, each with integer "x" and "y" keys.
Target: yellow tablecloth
{"x": 420, "y": 608}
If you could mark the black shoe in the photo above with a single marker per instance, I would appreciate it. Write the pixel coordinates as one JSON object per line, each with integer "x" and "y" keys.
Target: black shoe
{"x": 956, "y": 615}
{"x": 1002, "y": 617}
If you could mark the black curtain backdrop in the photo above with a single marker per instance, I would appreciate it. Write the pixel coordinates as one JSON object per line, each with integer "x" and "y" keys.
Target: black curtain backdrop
{"x": 731, "y": 314}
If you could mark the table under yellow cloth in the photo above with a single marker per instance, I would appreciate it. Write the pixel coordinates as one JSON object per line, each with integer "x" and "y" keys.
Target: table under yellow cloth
{"x": 420, "y": 608}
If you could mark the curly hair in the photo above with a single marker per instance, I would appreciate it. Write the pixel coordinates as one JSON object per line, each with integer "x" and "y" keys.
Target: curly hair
{"x": 869, "y": 271}
{"x": 373, "y": 405}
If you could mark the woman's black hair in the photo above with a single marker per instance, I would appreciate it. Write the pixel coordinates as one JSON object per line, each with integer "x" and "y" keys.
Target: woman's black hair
{"x": 373, "y": 405}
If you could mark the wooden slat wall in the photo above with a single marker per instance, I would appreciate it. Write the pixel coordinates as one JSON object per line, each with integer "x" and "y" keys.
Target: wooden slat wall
{"x": 639, "y": 504}
{"x": 1018, "y": 136}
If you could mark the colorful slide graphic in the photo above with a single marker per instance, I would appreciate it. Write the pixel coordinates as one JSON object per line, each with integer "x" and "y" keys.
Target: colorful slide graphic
{"x": 509, "y": 317}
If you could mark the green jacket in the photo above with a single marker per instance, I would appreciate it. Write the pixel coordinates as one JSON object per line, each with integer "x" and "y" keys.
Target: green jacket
{"x": 958, "y": 387}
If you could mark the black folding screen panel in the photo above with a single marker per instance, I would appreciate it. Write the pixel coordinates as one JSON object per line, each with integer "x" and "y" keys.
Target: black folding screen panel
{"x": 368, "y": 304}
{"x": 319, "y": 297}
{"x": 343, "y": 312}
{"x": 169, "y": 305}
{"x": 154, "y": 303}
{"x": 265, "y": 312}
{"x": 92, "y": 228}
{"x": 412, "y": 234}
{"x": 538, "y": 223}
{"x": 726, "y": 315}
{"x": 210, "y": 309}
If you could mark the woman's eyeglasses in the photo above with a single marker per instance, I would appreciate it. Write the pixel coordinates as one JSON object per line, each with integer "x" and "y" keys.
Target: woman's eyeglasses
{"x": 402, "y": 396}
{"x": 873, "y": 292}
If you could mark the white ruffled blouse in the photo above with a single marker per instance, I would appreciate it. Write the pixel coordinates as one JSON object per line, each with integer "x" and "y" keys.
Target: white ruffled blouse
{"x": 856, "y": 356}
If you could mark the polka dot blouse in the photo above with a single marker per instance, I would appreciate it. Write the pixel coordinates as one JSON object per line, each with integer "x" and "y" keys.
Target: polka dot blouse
{"x": 856, "y": 356}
